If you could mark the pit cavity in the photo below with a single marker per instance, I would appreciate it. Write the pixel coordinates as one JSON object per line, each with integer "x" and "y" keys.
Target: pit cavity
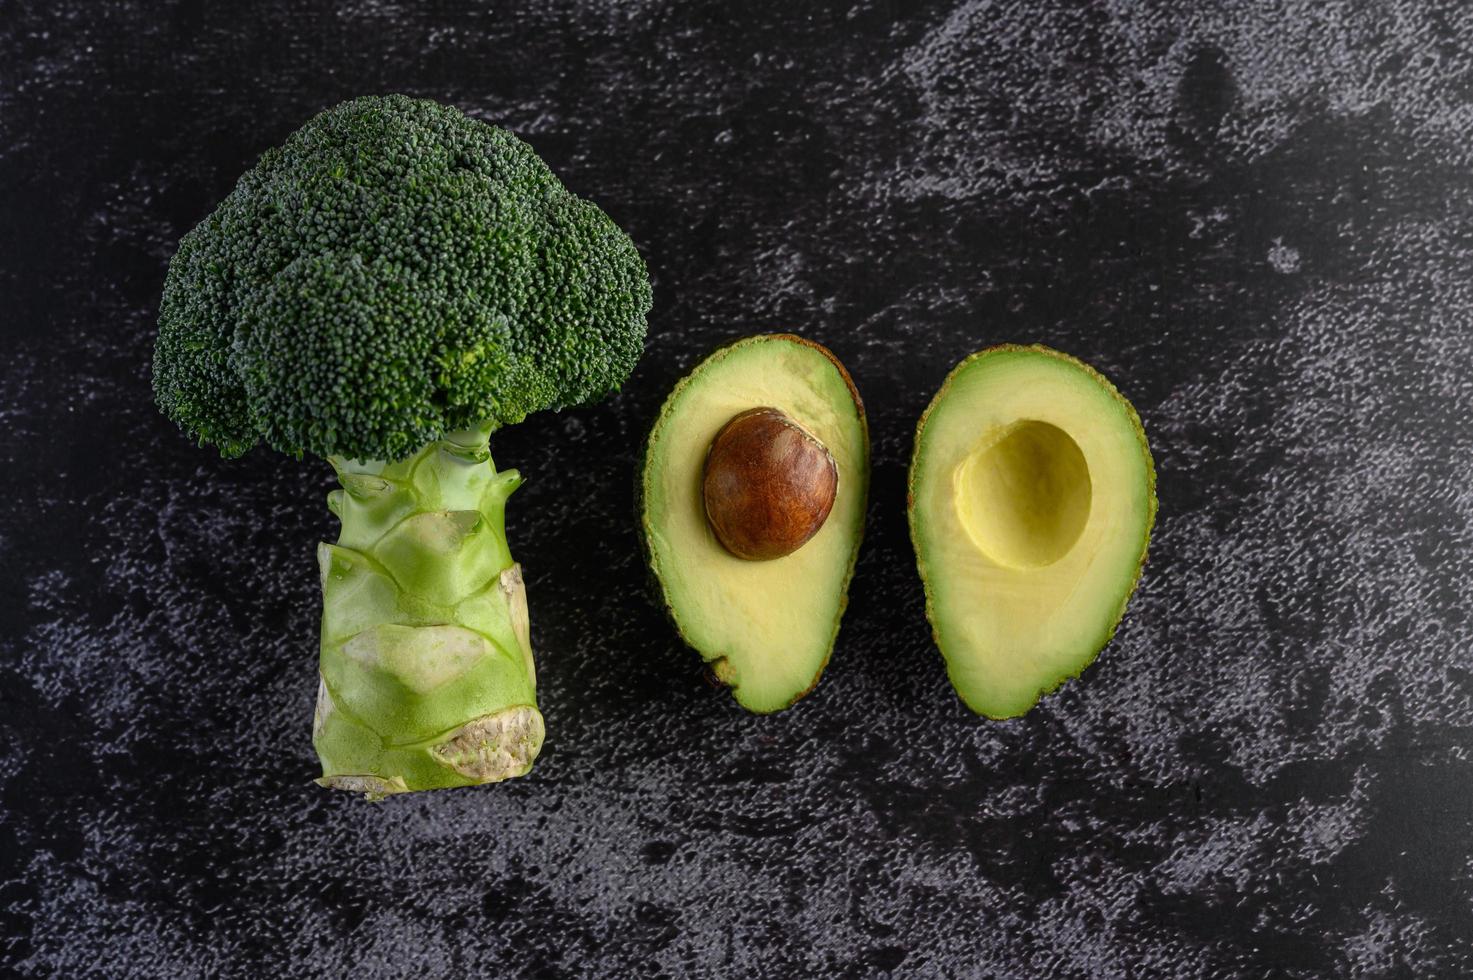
{"x": 1023, "y": 494}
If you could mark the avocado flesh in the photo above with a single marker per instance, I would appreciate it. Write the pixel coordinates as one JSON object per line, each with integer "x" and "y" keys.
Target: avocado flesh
{"x": 1032, "y": 496}
{"x": 766, "y": 627}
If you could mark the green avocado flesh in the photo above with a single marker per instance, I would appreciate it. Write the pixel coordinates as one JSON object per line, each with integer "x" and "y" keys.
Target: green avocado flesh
{"x": 1032, "y": 495}
{"x": 766, "y": 627}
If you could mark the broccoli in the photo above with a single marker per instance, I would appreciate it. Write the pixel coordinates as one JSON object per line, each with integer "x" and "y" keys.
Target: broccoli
{"x": 385, "y": 290}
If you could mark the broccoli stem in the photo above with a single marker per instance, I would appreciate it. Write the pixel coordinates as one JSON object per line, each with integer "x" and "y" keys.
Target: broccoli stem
{"x": 426, "y": 677}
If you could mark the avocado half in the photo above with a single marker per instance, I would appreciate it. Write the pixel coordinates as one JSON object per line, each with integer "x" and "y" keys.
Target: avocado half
{"x": 766, "y": 627}
{"x": 1032, "y": 497}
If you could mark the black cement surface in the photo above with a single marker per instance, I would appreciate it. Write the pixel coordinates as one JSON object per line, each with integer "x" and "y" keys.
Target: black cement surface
{"x": 1255, "y": 221}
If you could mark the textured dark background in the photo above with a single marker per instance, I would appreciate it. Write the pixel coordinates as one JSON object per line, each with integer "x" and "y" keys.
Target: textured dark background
{"x": 1257, "y": 223}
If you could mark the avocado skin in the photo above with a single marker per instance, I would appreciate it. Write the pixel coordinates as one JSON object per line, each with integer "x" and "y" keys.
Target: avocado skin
{"x": 910, "y": 509}
{"x": 652, "y": 574}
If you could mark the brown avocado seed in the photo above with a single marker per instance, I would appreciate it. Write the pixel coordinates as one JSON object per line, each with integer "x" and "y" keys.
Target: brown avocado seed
{"x": 769, "y": 485}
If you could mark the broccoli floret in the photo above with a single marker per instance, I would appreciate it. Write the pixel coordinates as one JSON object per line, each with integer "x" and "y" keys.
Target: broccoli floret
{"x": 385, "y": 289}
{"x": 395, "y": 271}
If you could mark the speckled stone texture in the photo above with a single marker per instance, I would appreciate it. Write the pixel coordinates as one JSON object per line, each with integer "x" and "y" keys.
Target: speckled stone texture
{"x": 1256, "y": 222}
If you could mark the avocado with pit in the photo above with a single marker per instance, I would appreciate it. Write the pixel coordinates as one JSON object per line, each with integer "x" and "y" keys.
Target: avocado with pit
{"x": 1032, "y": 497}
{"x": 753, "y": 494}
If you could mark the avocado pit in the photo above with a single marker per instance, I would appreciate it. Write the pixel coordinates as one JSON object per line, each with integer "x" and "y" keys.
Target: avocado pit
{"x": 768, "y": 486}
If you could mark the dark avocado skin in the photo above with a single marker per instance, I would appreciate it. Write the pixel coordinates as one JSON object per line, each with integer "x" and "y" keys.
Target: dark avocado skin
{"x": 653, "y": 579}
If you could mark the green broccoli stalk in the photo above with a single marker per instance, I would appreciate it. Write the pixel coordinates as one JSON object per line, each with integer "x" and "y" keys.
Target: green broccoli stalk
{"x": 385, "y": 290}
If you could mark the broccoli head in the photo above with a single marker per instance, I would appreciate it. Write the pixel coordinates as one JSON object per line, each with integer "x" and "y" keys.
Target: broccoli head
{"x": 395, "y": 271}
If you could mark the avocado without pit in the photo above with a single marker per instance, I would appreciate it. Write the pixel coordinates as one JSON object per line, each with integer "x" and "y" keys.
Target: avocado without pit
{"x": 752, "y": 504}
{"x": 1032, "y": 496}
